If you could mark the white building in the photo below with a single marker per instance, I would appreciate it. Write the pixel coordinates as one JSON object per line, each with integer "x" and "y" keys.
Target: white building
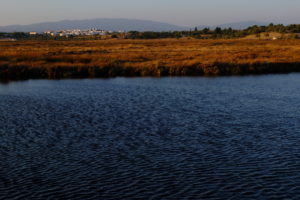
{"x": 77, "y": 32}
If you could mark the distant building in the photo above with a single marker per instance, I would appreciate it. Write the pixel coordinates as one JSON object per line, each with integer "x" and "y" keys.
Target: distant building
{"x": 32, "y": 33}
{"x": 77, "y": 32}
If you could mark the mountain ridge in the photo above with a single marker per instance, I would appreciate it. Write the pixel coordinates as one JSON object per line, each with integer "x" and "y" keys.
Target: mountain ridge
{"x": 113, "y": 24}
{"x": 118, "y": 24}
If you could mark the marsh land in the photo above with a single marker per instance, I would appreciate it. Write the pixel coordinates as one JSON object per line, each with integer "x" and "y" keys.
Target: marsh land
{"x": 158, "y": 57}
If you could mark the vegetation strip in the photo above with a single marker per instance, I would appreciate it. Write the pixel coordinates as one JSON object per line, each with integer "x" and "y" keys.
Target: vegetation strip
{"x": 159, "y": 57}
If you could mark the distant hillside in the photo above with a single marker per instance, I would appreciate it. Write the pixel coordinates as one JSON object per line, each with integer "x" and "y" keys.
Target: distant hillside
{"x": 102, "y": 23}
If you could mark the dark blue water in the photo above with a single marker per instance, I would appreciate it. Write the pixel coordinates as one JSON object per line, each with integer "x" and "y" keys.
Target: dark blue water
{"x": 148, "y": 138}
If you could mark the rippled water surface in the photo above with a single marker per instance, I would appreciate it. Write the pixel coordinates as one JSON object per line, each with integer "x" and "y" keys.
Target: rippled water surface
{"x": 148, "y": 138}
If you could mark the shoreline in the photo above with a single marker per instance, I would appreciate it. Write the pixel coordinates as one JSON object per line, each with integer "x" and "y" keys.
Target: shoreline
{"x": 221, "y": 69}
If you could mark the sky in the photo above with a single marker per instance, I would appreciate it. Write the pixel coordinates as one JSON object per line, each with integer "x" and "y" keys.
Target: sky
{"x": 179, "y": 12}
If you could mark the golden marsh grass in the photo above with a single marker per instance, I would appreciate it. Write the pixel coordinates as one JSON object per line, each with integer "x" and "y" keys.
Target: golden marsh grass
{"x": 163, "y": 57}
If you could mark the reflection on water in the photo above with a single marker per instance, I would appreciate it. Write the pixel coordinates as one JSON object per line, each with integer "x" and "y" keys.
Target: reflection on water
{"x": 148, "y": 138}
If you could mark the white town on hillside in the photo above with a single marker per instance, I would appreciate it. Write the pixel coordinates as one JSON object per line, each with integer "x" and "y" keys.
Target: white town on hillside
{"x": 76, "y": 32}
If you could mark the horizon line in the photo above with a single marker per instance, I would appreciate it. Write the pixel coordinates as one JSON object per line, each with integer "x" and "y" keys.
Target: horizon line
{"x": 186, "y": 26}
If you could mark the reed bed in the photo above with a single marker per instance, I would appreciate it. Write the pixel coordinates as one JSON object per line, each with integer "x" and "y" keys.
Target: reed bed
{"x": 164, "y": 57}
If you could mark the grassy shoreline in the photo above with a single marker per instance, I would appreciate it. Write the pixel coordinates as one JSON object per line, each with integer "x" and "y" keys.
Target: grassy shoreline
{"x": 134, "y": 58}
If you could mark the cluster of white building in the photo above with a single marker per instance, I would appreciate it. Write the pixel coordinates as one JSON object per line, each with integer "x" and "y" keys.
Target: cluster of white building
{"x": 77, "y": 32}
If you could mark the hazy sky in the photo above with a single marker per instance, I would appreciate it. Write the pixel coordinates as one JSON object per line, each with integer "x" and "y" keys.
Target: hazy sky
{"x": 180, "y": 12}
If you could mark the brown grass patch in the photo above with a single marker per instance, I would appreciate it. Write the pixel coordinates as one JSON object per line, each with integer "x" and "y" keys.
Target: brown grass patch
{"x": 165, "y": 57}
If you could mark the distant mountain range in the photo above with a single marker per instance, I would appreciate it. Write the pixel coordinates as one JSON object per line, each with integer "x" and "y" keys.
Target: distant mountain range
{"x": 102, "y": 23}
{"x": 116, "y": 25}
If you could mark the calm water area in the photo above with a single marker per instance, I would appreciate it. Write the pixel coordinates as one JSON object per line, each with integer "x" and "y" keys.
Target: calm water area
{"x": 151, "y": 138}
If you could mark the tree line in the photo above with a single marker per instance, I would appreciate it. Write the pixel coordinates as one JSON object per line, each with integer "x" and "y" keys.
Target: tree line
{"x": 205, "y": 33}
{"x": 218, "y": 32}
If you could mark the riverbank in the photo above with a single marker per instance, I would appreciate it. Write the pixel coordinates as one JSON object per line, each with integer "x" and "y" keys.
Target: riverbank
{"x": 165, "y": 57}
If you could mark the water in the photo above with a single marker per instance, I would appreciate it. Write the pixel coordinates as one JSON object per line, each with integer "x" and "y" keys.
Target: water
{"x": 151, "y": 138}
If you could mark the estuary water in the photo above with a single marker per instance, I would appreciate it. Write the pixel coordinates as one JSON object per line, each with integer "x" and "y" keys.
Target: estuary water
{"x": 151, "y": 138}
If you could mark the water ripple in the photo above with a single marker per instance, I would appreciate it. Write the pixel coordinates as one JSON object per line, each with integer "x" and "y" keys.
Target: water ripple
{"x": 169, "y": 138}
